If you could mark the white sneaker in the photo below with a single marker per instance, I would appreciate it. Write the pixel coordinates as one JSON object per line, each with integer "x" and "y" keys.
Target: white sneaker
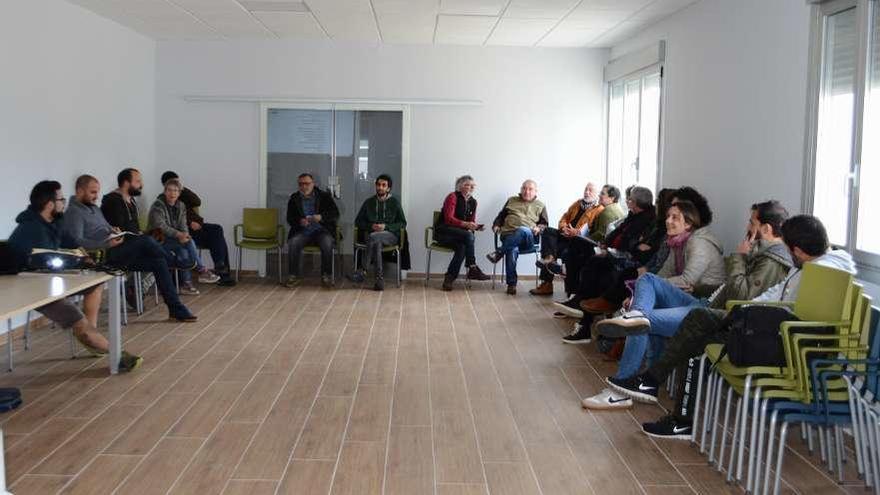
{"x": 606, "y": 399}
{"x": 208, "y": 277}
{"x": 628, "y": 323}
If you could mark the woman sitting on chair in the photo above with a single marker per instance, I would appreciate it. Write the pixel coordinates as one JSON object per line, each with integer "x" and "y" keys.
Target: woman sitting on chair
{"x": 455, "y": 229}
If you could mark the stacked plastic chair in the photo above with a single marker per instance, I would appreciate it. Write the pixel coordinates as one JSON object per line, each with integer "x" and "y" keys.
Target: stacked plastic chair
{"x": 825, "y": 299}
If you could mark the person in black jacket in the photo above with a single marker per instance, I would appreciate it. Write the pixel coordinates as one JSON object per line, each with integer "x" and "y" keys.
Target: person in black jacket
{"x": 140, "y": 252}
{"x": 312, "y": 215}
{"x": 206, "y": 235}
{"x": 40, "y": 226}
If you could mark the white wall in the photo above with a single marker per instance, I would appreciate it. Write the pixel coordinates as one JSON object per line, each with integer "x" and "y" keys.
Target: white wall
{"x": 76, "y": 96}
{"x": 736, "y": 78}
{"x": 541, "y": 118}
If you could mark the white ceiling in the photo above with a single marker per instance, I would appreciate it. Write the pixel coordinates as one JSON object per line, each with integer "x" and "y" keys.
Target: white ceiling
{"x": 551, "y": 23}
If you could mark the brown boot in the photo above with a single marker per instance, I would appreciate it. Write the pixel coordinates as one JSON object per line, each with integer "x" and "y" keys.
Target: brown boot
{"x": 597, "y": 306}
{"x": 545, "y": 289}
{"x": 447, "y": 283}
{"x": 511, "y": 290}
{"x": 474, "y": 273}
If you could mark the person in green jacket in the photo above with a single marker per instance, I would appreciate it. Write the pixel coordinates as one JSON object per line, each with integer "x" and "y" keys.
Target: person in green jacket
{"x": 381, "y": 221}
{"x": 610, "y": 199}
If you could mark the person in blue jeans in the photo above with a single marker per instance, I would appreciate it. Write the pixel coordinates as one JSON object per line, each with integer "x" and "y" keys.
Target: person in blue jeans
{"x": 661, "y": 301}
{"x": 520, "y": 222}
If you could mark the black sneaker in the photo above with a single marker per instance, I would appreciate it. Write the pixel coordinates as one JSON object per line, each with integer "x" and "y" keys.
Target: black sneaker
{"x": 571, "y": 307}
{"x": 580, "y": 335}
{"x": 669, "y": 427}
{"x": 380, "y": 284}
{"x": 635, "y": 388}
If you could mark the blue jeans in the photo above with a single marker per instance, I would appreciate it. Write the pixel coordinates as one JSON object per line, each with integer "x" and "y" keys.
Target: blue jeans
{"x": 665, "y": 306}
{"x": 185, "y": 253}
{"x": 519, "y": 241}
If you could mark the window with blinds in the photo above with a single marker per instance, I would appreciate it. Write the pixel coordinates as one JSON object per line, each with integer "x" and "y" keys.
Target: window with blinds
{"x": 844, "y": 159}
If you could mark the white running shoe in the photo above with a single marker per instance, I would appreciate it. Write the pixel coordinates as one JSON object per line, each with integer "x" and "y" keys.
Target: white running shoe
{"x": 606, "y": 400}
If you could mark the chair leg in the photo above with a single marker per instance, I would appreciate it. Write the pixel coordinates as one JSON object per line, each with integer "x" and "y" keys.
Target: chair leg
{"x": 124, "y": 302}
{"x": 399, "y": 271}
{"x": 782, "y": 434}
{"x": 279, "y": 265}
{"x": 756, "y": 411}
{"x": 719, "y": 464}
{"x": 139, "y": 292}
{"x": 719, "y": 384}
{"x": 238, "y": 268}
{"x": 707, "y": 414}
{"x": 771, "y": 439}
{"x": 755, "y": 482}
{"x": 699, "y": 382}
{"x": 742, "y": 432}
{"x": 428, "y": 266}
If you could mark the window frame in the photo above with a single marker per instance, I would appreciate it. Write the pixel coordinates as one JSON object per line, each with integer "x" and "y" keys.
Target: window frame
{"x": 639, "y": 75}
{"x": 868, "y": 263}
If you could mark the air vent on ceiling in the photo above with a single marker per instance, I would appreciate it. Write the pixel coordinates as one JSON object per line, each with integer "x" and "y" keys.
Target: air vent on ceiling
{"x": 275, "y": 6}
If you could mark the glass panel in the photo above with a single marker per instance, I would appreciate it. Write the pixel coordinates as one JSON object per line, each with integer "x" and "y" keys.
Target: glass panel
{"x": 297, "y": 141}
{"x": 650, "y": 131}
{"x": 615, "y": 134}
{"x": 868, "y": 238}
{"x": 629, "y": 170}
{"x": 835, "y": 124}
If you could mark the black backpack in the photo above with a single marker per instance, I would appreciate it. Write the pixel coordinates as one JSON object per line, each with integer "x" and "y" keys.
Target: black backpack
{"x": 753, "y": 335}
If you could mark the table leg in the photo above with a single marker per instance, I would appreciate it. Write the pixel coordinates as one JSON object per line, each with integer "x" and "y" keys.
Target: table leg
{"x": 115, "y": 333}
{"x": 2, "y": 467}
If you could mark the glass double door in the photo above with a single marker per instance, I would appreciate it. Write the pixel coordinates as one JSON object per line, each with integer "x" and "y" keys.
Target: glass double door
{"x": 344, "y": 149}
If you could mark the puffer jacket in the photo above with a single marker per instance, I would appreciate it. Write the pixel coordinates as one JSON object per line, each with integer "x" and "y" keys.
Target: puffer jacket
{"x": 703, "y": 263}
{"x": 749, "y": 275}
{"x": 161, "y": 217}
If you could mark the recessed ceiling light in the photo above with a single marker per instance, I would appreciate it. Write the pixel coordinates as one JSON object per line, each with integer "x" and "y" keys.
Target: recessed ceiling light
{"x": 275, "y": 5}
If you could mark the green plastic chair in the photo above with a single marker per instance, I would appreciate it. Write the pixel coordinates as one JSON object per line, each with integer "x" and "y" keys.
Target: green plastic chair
{"x": 361, "y": 246}
{"x": 259, "y": 231}
{"x": 315, "y": 250}
{"x": 432, "y": 245}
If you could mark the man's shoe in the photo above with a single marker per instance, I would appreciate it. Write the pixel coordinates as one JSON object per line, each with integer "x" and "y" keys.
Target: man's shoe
{"x": 189, "y": 290}
{"x": 475, "y": 273}
{"x": 580, "y": 335}
{"x": 635, "y": 388}
{"x": 606, "y": 400}
{"x": 494, "y": 257}
{"x": 511, "y": 290}
{"x": 380, "y": 284}
{"x": 545, "y": 289}
{"x": 669, "y": 427}
{"x": 226, "y": 281}
{"x": 554, "y": 268}
{"x": 292, "y": 282}
{"x": 129, "y": 362}
{"x": 629, "y": 323}
{"x": 357, "y": 277}
{"x": 597, "y": 306}
{"x": 327, "y": 280}
{"x": 570, "y": 307}
{"x": 208, "y": 277}
{"x": 182, "y": 314}
{"x": 447, "y": 283}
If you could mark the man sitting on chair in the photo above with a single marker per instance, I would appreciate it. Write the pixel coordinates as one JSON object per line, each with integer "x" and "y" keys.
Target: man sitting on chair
{"x": 380, "y": 221}
{"x": 312, "y": 215}
{"x": 456, "y": 228}
{"x": 39, "y": 226}
{"x": 520, "y": 222}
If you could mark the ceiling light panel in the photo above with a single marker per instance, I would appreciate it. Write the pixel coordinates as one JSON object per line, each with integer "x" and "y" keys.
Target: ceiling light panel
{"x": 472, "y": 7}
{"x": 539, "y": 9}
{"x": 463, "y": 29}
{"x": 520, "y": 32}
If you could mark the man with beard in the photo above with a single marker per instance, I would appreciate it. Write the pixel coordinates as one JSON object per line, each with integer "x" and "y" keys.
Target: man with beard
{"x": 39, "y": 226}
{"x": 381, "y": 221}
{"x": 140, "y": 252}
{"x": 575, "y": 223}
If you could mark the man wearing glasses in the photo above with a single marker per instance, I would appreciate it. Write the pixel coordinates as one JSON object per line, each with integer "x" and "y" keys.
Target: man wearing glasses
{"x": 312, "y": 215}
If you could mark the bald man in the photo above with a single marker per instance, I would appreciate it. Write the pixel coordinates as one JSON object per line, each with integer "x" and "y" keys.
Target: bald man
{"x": 520, "y": 223}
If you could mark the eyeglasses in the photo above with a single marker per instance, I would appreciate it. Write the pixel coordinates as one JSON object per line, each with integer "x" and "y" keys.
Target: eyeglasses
{"x": 305, "y": 183}
{"x": 63, "y": 200}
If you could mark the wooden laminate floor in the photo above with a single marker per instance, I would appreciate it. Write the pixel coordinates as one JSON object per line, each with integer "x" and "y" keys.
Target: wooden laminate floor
{"x": 345, "y": 391}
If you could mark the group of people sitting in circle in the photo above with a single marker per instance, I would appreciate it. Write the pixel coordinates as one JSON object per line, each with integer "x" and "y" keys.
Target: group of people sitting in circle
{"x": 649, "y": 281}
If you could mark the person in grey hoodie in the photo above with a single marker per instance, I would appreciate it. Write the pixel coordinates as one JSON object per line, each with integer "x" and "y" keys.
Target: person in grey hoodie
{"x": 168, "y": 216}
{"x": 83, "y": 220}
